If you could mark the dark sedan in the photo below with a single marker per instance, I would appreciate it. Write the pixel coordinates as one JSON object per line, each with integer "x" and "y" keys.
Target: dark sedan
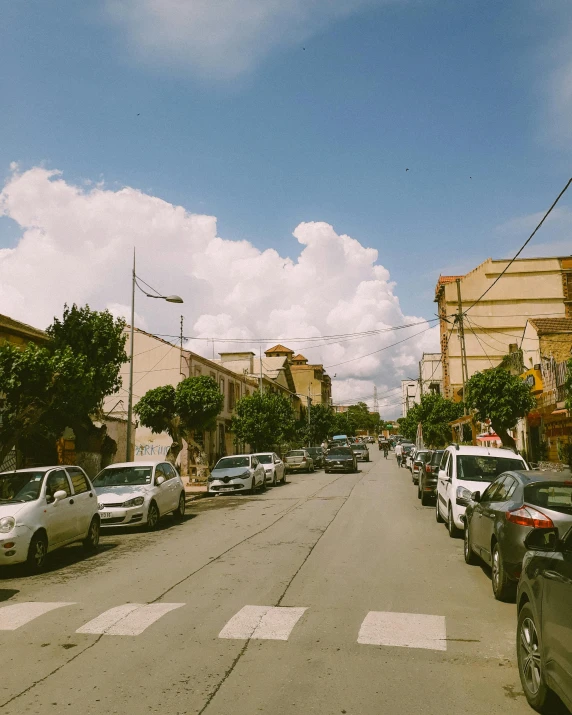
{"x": 544, "y": 631}
{"x": 420, "y": 459}
{"x": 427, "y": 483}
{"x": 340, "y": 459}
{"x": 317, "y": 454}
{"x": 498, "y": 521}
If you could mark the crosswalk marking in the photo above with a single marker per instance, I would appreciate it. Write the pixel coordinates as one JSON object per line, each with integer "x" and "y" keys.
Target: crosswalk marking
{"x": 407, "y": 630}
{"x": 262, "y": 623}
{"x": 18, "y": 614}
{"x": 131, "y": 619}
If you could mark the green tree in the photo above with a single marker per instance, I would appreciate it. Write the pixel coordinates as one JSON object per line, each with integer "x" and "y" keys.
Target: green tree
{"x": 192, "y": 406}
{"x": 63, "y": 383}
{"x": 343, "y": 425}
{"x": 263, "y": 420}
{"x": 435, "y": 414}
{"x": 321, "y": 424}
{"x": 503, "y": 398}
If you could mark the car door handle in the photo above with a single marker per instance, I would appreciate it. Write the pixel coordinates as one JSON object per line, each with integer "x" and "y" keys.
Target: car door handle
{"x": 553, "y": 576}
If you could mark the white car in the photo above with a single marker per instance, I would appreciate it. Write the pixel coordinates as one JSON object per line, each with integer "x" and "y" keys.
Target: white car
{"x": 134, "y": 493}
{"x": 273, "y": 467}
{"x": 240, "y": 473}
{"x": 42, "y": 509}
{"x": 464, "y": 470}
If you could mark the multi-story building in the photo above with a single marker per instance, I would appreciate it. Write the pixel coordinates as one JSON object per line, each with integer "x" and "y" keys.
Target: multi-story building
{"x": 311, "y": 381}
{"x": 494, "y": 324}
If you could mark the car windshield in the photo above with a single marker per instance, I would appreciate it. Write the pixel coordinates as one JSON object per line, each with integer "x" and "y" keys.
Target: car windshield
{"x": 120, "y": 476}
{"x": 264, "y": 458}
{"x": 20, "y": 486}
{"x": 484, "y": 468}
{"x": 340, "y": 450}
{"x": 556, "y": 496}
{"x": 295, "y": 453}
{"x": 358, "y": 447}
{"x": 232, "y": 462}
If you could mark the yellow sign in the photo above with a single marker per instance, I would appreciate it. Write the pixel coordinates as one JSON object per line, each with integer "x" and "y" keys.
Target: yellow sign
{"x": 533, "y": 379}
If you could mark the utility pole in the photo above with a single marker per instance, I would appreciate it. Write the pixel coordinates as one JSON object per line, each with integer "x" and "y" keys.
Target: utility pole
{"x": 261, "y": 386}
{"x": 420, "y": 380}
{"x": 181, "y": 349}
{"x": 461, "y": 332}
{"x": 309, "y": 408}
{"x": 131, "y": 342}
{"x": 375, "y": 400}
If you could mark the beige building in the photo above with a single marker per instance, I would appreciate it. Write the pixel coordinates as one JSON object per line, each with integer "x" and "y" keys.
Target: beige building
{"x": 17, "y": 333}
{"x": 531, "y": 288}
{"x": 311, "y": 381}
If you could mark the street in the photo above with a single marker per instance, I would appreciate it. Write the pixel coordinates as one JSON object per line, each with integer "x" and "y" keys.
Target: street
{"x": 378, "y": 613}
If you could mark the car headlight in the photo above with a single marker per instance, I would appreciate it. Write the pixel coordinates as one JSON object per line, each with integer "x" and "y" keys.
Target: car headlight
{"x": 7, "y": 523}
{"x": 244, "y": 475}
{"x": 463, "y": 493}
{"x": 268, "y": 469}
{"x": 137, "y": 501}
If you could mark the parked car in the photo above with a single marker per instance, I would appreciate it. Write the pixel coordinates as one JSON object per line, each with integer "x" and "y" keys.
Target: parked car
{"x": 498, "y": 521}
{"x": 42, "y": 509}
{"x": 465, "y": 469}
{"x": 135, "y": 493}
{"x": 298, "y": 460}
{"x": 240, "y": 473}
{"x": 418, "y": 463}
{"x": 273, "y": 467}
{"x": 340, "y": 459}
{"x": 370, "y": 439}
{"x": 361, "y": 452}
{"x": 407, "y": 448}
{"x": 317, "y": 454}
{"x": 427, "y": 482}
{"x": 544, "y": 630}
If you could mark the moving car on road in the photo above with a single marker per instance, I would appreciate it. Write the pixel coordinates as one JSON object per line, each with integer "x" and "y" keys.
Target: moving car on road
{"x": 134, "y": 493}
{"x": 241, "y": 473}
{"x": 498, "y": 521}
{"x": 464, "y": 470}
{"x": 340, "y": 459}
{"x": 361, "y": 452}
{"x": 42, "y": 509}
{"x": 317, "y": 454}
{"x": 298, "y": 460}
{"x": 544, "y": 630}
{"x": 273, "y": 467}
{"x": 418, "y": 463}
{"x": 427, "y": 482}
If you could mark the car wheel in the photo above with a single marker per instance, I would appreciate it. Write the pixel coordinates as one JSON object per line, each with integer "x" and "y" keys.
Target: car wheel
{"x": 274, "y": 480}
{"x": 424, "y": 498}
{"x": 530, "y": 668}
{"x": 263, "y": 485}
{"x": 91, "y": 541}
{"x": 503, "y": 588}
{"x": 37, "y": 553}
{"x": 152, "y": 516}
{"x": 252, "y": 489}
{"x": 438, "y": 517}
{"x": 284, "y": 477}
{"x": 468, "y": 553}
{"x": 179, "y": 512}
{"x": 451, "y": 528}
{"x": 326, "y": 471}
{"x": 419, "y": 488}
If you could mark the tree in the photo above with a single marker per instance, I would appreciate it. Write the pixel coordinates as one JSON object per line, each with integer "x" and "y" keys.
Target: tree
{"x": 263, "y": 420}
{"x": 181, "y": 411}
{"x": 503, "y": 398}
{"x": 62, "y": 384}
{"x": 321, "y": 424}
{"x": 435, "y": 414}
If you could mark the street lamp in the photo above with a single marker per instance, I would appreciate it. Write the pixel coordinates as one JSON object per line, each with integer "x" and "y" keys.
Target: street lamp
{"x": 169, "y": 299}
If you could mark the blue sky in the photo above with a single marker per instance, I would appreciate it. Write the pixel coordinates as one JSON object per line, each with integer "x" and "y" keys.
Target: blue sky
{"x": 307, "y": 115}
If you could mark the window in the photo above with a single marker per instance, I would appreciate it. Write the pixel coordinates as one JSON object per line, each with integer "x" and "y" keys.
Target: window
{"x": 213, "y": 375}
{"x": 484, "y": 468}
{"x": 221, "y": 385}
{"x": 568, "y": 542}
{"x": 57, "y": 481}
{"x": 444, "y": 458}
{"x": 254, "y": 462}
{"x": 450, "y": 468}
{"x": 171, "y": 469}
{"x": 501, "y": 493}
{"x": 490, "y": 491}
{"x": 162, "y": 470}
{"x": 197, "y": 371}
{"x": 78, "y": 480}
{"x": 231, "y": 396}
{"x": 554, "y": 496}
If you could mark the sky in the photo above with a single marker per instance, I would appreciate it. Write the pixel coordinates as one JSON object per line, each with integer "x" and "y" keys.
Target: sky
{"x": 291, "y": 168}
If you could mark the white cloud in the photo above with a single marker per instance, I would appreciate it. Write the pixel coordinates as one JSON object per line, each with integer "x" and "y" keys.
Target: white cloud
{"x": 223, "y": 38}
{"x": 77, "y": 243}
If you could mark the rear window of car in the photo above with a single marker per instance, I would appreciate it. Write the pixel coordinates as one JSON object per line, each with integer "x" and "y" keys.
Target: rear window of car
{"x": 485, "y": 468}
{"x": 556, "y": 496}
{"x": 436, "y": 457}
{"x": 295, "y": 453}
{"x": 340, "y": 450}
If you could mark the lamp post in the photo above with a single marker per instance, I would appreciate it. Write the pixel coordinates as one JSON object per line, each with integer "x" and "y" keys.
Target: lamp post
{"x": 169, "y": 299}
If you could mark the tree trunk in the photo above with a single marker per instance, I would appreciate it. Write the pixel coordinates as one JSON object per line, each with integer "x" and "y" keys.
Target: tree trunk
{"x": 6, "y": 448}
{"x": 174, "y": 451}
{"x": 201, "y": 459}
{"x": 506, "y": 439}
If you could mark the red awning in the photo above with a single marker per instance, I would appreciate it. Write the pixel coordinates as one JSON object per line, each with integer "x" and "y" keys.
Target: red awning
{"x": 489, "y": 438}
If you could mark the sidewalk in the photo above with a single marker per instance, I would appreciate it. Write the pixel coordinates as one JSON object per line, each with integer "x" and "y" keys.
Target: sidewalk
{"x": 196, "y": 491}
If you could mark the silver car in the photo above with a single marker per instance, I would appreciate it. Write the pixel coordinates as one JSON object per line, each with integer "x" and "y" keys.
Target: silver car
{"x": 361, "y": 452}
{"x": 240, "y": 473}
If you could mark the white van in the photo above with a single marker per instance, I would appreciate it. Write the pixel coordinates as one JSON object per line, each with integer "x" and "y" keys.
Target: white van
{"x": 464, "y": 470}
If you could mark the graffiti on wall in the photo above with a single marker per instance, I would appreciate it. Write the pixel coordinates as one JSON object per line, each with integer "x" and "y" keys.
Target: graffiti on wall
{"x": 151, "y": 450}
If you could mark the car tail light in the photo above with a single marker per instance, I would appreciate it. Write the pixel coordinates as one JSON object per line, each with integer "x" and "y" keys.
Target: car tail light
{"x": 303, "y": 459}
{"x": 529, "y": 516}
{"x": 428, "y": 469}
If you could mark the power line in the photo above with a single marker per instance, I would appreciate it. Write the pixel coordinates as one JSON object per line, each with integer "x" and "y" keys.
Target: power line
{"x": 521, "y": 249}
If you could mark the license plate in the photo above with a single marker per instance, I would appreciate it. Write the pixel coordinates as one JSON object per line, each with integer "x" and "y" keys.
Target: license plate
{"x": 105, "y": 514}
{"x": 227, "y": 489}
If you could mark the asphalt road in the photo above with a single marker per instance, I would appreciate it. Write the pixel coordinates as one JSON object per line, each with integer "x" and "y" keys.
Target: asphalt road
{"x": 359, "y": 603}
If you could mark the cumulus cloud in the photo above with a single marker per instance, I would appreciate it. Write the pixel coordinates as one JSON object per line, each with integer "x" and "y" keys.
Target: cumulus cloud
{"x": 223, "y": 38}
{"x": 76, "y": 245}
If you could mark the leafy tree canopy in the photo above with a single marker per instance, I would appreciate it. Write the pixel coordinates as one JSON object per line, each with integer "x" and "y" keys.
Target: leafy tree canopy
{"x": 503, "y": 398}
{"x": 434, "y": 413}
{"x": 263, "y": 420}
{"x": 321, "y": 424}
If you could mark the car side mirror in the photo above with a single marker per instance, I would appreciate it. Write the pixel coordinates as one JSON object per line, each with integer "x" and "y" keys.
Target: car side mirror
{"x": 476, "y": 496}
{"x": 543, "y": 540}
{"x": 59, "y": 495}
{"x": 159, "y": 481}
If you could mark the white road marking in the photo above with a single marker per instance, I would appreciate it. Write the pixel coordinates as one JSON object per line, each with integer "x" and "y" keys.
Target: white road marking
{"x": 407, "y": 630}
{"x": 131, "y": 619}
{"x": 262, "y": 623}
{"x": 18, "y": 614}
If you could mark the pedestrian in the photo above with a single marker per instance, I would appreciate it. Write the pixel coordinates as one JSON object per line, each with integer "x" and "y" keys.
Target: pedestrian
{"x": 385, "y": 449}
{"x": 399, "y": 453}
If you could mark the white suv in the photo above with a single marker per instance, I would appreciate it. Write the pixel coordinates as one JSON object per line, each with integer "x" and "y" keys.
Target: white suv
{"x": 42, "y": 509}
{"x": 464, "y": 470}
